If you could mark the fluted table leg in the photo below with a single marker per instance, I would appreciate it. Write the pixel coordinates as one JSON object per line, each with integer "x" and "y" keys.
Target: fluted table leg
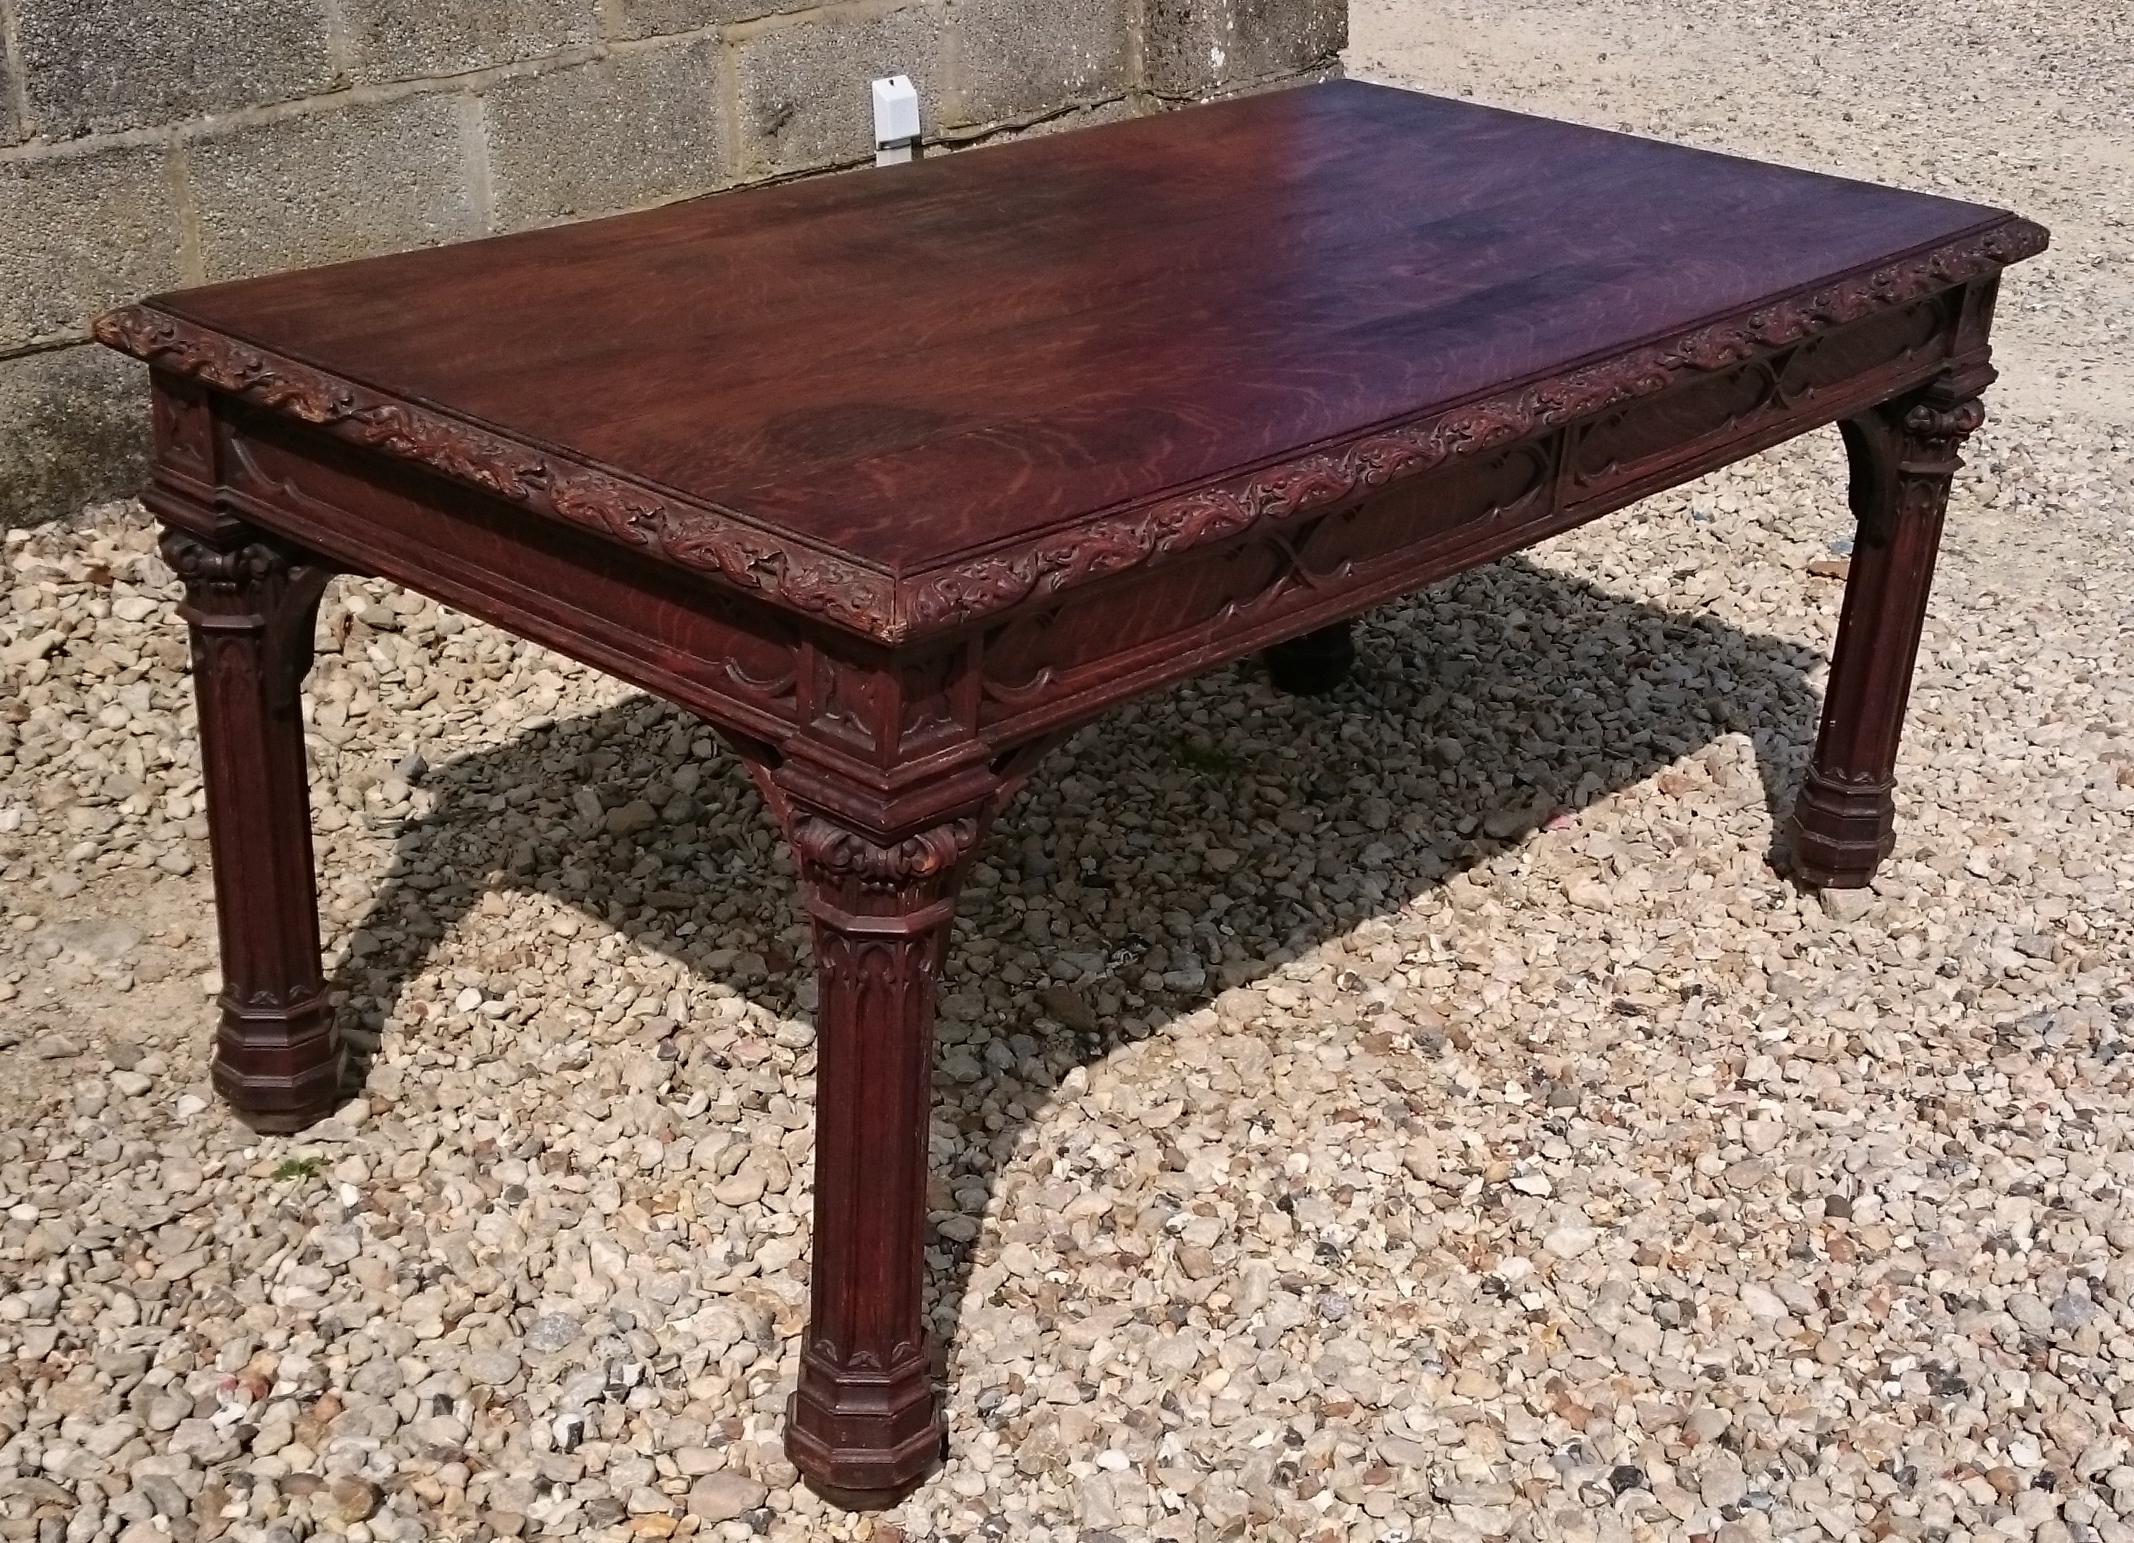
{"x": 250, "y": 605}
{"x": 864, "y": 1425}
{"x": 1903, "y": 457}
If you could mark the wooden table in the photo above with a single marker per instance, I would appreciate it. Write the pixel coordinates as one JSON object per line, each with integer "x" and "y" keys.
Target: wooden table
{"x": 896, "y": 477}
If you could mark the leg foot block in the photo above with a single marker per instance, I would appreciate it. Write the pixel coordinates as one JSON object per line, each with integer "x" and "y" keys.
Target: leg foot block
{"x": 1841, "y": 832}
{"x": 859, "y": 1499}
{"x": 278, "y": 1068}
{"x": 1313, "y": 664}
{"x": 871, "y": 1444}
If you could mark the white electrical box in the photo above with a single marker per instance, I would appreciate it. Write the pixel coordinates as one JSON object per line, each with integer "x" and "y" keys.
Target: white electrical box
{"x": 896, "y": 120}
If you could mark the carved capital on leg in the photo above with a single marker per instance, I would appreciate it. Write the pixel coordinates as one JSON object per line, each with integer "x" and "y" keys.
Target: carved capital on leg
{"x": 864, "y": 1425}
{"x": 258, "y": 586}
{"x": 1903, "y": 456}
{"x": 852, "y": 872}
{"x": 251, "y": 605}
{"x": 1936, "y": 424}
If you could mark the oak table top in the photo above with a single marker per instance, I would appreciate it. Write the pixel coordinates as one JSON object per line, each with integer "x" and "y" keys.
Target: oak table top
{"x": 895, "y": 478}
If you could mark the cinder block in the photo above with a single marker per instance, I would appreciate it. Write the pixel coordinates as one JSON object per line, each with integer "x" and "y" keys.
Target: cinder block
{"x": 804, "y": 96}
{"x": 628, "y": 130}
{"x": 412, "y": 39}
{"x": 1211, "y": 47}
{"x": 111, "y": 64}
{"x": 663, "y": 18}
{"x": 325, "y": 186}
{"x": 77, "y": 431}
{"x": 1023, "y": 56}
{"x": 79, "y": 233}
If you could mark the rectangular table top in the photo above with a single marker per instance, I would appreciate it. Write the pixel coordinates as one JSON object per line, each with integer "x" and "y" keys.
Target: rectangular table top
{"x": 898, "y": 371}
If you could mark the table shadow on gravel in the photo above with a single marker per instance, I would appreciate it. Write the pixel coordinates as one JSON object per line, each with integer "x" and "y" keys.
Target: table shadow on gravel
{"x": 1513, "y": 647}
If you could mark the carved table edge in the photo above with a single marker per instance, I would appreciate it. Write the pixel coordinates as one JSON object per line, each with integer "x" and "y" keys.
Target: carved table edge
{"x": 725, "y": 546}
{"x": 688, "y": 534}
{"x": 972, "y": 589}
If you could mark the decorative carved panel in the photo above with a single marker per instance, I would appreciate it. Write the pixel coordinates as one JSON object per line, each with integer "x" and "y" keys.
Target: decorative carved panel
{"x": 706, "y": 648}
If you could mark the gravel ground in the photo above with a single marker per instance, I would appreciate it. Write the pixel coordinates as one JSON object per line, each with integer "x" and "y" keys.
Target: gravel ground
{"x": 1421, "y": 1113}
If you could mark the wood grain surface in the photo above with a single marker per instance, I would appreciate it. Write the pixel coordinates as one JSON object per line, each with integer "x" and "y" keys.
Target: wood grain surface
{"x": 912, "y": 364}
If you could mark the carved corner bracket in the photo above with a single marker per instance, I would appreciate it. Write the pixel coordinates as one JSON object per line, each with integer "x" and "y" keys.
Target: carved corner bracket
{"x": 1904, "y": 453}
{"x": 832, "y": 854}
{"x": 258, "y": 587}
{"x": 1935, "y": 429}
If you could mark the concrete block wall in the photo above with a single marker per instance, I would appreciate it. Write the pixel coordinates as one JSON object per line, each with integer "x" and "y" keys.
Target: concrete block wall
{"x": 150, "y": 144}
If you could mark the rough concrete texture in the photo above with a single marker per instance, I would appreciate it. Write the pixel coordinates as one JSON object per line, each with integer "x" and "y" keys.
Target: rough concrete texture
{"x": 630, "y": 130}
{"x": 324, "y": 187}
{"x": 114, "y": 64}
{"x": 409, "y": 39}
{"x": 72, "y": 427}
{"x": 1114, "y": 111}
{"x": 79, "y": 233}
{"x": 1019, "y": 57}
{"x": 804, "y": 100}
{"x": 1206, "y": 47}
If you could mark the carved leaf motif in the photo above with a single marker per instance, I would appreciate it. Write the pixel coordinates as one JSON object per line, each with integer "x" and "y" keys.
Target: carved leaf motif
{"x": 828, "y": 850}
{"x": 1946, "y": 423}
{"x": 194, "y": 561}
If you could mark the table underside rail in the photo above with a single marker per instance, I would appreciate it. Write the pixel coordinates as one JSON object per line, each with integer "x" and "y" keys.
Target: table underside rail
{"x": 723, "y": 655}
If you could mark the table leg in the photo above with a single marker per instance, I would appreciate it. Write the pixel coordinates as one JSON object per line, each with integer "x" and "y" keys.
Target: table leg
{"x": 1903, "y": 456}
{"x": 864, "y": 1425}
{"x": 1315, "y": 663}
{"x": 251, "y": 603}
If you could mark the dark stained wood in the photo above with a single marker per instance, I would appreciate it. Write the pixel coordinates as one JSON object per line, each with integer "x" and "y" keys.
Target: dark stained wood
{"x": 251, "y": 606}
{"x": 1903, "y": 457}
{"x": 864, "y": 1420}
{"x": 1315, "y": 663}
{"x": 896, "y": 478}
